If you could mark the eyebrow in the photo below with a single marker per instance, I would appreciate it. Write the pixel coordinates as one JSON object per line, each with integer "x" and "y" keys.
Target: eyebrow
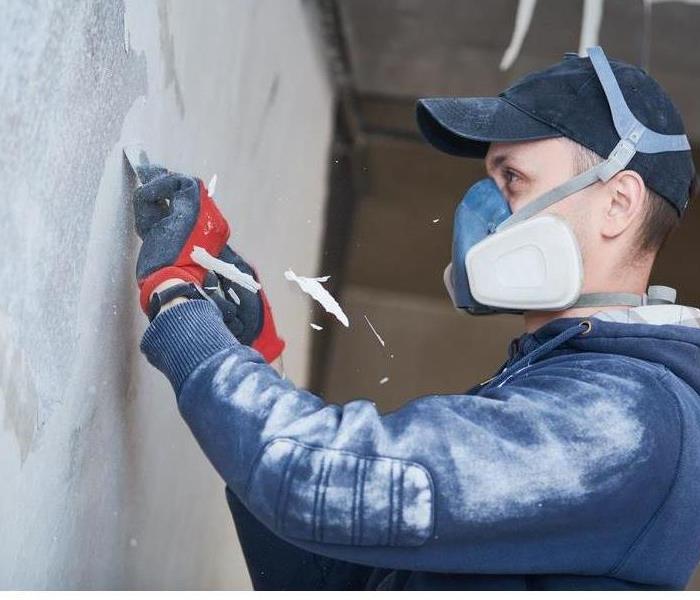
{"x": 496, "y": 160}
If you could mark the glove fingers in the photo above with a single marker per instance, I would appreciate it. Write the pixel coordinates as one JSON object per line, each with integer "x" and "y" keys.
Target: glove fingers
{"x": 250, "y": 302}
{"x": 159, "y": 189}
{"x": 148, "y": 215}
{"x": 248, "y": 306}
{"x": 151, "y": 201}
{"x": 148, "y": 173}
{"x": 185, "y": 200}
{"x": 228, "y": 255}
{"x": 211, "y": 282}
{"x": 229, "y": 312}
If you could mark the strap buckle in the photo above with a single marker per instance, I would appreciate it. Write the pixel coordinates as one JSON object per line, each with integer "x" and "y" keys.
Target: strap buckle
{"x": 618, "y": 159}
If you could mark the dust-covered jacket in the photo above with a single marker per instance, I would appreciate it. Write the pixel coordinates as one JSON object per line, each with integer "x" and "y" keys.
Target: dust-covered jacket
{"x": 576, "y": 466}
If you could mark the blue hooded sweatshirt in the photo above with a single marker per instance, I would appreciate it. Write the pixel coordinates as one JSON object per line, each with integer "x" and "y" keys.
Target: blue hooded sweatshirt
{"x": 576, "y": 467}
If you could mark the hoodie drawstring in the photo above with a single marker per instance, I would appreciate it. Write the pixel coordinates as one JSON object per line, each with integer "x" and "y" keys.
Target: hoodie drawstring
{"x": 581, "y": 328}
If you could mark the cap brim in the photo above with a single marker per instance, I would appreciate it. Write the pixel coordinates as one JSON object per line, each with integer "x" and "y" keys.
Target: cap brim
{"x": 466, "y": 126}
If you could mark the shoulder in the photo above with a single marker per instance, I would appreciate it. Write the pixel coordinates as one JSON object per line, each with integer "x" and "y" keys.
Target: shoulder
{"x": 621, "y": 378}
{"x": 577, "y": 363}
{"x": 630, "y": 403}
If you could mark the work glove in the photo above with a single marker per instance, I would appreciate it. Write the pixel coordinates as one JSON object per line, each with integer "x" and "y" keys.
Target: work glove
{"x": 247, "y": 314}
{"x": 173, "y": 213}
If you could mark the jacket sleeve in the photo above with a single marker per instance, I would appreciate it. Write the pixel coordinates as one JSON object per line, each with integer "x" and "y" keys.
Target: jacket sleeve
{"x": 559, "y": 471}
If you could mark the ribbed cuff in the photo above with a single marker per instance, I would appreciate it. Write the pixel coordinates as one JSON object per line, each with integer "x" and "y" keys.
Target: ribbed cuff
{"x": 182, "y": 337}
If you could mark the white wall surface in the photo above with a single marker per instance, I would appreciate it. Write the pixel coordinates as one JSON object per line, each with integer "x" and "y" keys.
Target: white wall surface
{"x": 102, "y": 485}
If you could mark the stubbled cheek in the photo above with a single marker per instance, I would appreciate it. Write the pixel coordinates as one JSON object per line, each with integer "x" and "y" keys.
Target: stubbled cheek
{"x": 518, "y": 203}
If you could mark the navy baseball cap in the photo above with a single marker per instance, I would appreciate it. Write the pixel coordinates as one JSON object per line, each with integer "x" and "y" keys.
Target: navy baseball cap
{"x": 568, "y": 99}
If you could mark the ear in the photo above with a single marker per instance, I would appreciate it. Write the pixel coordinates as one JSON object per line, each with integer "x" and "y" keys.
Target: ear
{"x": 623, "y": 204}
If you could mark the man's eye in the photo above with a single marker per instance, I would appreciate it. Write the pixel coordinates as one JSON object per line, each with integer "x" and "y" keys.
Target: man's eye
{"x": 509, "y": 176}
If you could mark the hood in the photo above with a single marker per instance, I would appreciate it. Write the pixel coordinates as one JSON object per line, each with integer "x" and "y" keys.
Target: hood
{"x": 665, "y": 334}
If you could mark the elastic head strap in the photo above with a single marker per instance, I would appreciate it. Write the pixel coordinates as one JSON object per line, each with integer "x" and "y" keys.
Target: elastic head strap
{"x": 609, "y": 299}
{"x": 616, "y": 162}
{"x": 634, "y": 137}
{"x": 570, "y": 186}
{"x": 656, "y": 294}
{"x": 627, "y": 126}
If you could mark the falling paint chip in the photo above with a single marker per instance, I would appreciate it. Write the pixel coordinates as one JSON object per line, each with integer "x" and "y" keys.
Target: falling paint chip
{"x": 313, "y": 287}
{"x": 436, "y": 220}
{"x": 379, "y": 337}
{"x": 206, "y": 260}
{"x": 523, "y": 17}
{"x": 383, "y": 380}
{"x": 234, "y": 296}
{"x": 212, "y": 186}
{"x": 316, "y": 327}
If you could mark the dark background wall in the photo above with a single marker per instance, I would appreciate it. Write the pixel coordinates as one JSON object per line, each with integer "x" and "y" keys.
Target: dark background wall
{"x": 387, "y": 186}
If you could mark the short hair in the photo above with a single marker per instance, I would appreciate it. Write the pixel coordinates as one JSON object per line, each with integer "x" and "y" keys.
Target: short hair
{"x": 660, "y": 217}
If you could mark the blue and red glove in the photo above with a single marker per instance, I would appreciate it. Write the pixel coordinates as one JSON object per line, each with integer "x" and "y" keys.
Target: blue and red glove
{"x": 173, "y": 214}
{"x": 247, "y": 314}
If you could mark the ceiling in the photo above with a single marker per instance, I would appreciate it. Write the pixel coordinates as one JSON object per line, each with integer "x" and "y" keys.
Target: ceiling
{"x": 394, "y": 51}
{"x": 398, "y": 50}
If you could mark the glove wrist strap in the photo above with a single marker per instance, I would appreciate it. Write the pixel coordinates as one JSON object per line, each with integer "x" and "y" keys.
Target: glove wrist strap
{"x": 151, "y": 282}
{"x": 180, "y": 290}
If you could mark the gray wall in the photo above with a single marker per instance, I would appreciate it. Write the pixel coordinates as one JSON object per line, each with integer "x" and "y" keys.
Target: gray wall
{"x": 102, "y": 484}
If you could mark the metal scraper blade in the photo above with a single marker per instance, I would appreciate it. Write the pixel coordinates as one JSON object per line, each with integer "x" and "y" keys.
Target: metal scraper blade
{"x": 136, "y": 156}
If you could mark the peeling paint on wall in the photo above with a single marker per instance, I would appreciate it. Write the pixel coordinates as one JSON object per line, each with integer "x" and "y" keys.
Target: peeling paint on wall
{"x": 167, "y": 48}
{"x": 17, "y": 393}
{"x": 101, "y": 478}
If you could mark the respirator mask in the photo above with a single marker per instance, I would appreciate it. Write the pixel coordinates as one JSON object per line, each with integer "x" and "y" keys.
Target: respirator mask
{"x": 505, "y": 262}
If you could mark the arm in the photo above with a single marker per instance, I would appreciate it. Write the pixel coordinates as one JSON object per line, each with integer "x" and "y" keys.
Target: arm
{"x": 274, "y": 564}
{"x": 549, "y": 474}
{"x": 170, "y": 230}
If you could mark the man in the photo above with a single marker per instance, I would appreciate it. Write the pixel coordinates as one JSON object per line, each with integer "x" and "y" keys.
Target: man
{"x": 575, "y": 466}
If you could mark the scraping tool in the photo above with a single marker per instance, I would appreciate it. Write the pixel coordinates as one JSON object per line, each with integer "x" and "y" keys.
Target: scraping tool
{"x": 136, "y": 156}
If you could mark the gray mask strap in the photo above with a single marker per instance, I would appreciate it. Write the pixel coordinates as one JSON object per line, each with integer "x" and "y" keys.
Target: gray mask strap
{"x": 634, "y": 136}
{"x": 608, "y": 299}
{"x": 601, "y": 172}
{"x": 656, "y": 294}
{"x": 627, "y": 126}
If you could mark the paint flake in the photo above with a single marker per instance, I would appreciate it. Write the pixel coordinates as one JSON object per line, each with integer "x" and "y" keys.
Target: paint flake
{"x": 206, "y": 260}
{"x": 379, "y": 337}
{"x": 126, "y": 34}
{"x": 316, "y": 327}
{"x": 383, "y": 380}
{"x": 523, "y": 17}
{"x": 313, "y": 287}
{"x": 436, "y": 220}
{"x": 234, "y": 296}
{"x": 212, "y": 186}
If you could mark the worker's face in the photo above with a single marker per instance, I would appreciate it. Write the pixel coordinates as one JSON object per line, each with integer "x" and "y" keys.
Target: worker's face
{"x": 525, "y": 170}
